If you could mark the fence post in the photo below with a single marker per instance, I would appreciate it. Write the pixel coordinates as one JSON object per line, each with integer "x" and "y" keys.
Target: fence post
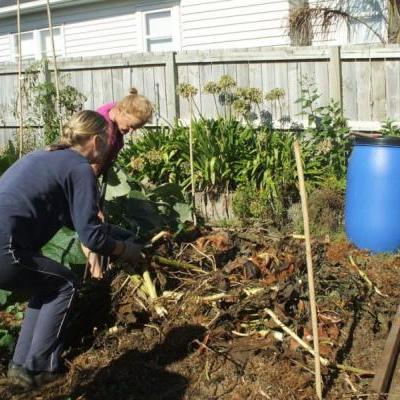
{"x": 335, "y": 75}
{"x": 171, "y": 80}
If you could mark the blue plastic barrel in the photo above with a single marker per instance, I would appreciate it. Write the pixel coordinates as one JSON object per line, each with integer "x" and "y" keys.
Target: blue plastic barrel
{"x": 372, "y": 205}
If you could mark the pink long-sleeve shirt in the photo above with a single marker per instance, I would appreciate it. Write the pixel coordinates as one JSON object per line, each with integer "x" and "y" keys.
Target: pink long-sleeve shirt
{"x": 115, "y": 137}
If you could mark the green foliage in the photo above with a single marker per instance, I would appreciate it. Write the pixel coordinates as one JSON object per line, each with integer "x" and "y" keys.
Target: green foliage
{"x": 45, "y": 102}
{"x": 236, "y": 154}
{"x": 4, "y": 295}
{"x": 117, "y": 184}
{"x": 17, "y": 310}
{"x": 147, "y": 210}
{"x": 65, "y": 248}
{"x": 41, "y": 107}
{"x": 251, "y": 204}
{"x": 327, "y": 132}
{"x": 7, "y": 340}
{"x": 390, "y": 128}
{"x": 8, "y": 156}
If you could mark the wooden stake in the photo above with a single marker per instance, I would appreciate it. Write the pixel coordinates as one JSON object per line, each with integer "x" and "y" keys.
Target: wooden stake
{"x": 56, "y": 80}
{"x": 310, "y": 272}
{"x": 387, "y": 364}
{"x": 21, "y": 122}
{"x": 192, "y": 163}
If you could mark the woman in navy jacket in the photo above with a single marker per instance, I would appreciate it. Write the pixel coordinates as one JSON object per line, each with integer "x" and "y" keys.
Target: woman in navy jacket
{"x": 39, "y": 194}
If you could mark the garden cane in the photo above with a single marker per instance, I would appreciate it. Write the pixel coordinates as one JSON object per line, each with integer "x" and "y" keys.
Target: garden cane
{"x": 310, "y": 273}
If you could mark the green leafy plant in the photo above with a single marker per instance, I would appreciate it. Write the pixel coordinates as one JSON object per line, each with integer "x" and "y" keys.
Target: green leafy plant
{"x": 8, "y": 156}
{"x": 327, "y": 131}
{"x": 65, "y": 248}
{"x": 7, "y": 339}
{"x": 390, "y": 128}
{"x": 41, "y": 106}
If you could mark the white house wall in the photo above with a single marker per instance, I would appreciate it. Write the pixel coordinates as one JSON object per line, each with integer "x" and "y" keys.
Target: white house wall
{"x": 111, "y": 27}
{"x": 4, "y": 48}
{"x": 210, "y": 24}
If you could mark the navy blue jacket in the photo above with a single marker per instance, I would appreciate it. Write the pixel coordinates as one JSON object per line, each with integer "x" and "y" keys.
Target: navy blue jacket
{"x": 46, "y": 190}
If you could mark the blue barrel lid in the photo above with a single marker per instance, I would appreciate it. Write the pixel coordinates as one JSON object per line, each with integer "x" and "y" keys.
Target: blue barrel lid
{"x": 380, "y": 141}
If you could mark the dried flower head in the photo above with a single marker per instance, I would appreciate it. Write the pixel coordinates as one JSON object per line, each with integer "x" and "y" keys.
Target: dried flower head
{"x": 325, "y": 146}
{"x": 137, "y": 163}
{"x": 212, "y": 88}
{"x": 226, "y": 82}
{"x": 254, "y": 95}
{"x": 153, "y": 156}
{"x": 241, "y": 106}
{"x": 275, "y": 94}
{"x": 186, "y": 90}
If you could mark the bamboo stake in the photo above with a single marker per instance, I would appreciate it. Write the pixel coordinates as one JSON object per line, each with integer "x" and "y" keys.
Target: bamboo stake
{"x": 21, "y": 128}
{"x": 310, "y": 272}
{"x": 56, "y": 80}
{"x": 191, "y": 162}
{"x": 306, "y": 346}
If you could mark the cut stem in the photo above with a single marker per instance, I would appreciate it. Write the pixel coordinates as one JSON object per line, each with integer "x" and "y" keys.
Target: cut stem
{"x": 323, "y": 361}
{"x": 178, "y": 264}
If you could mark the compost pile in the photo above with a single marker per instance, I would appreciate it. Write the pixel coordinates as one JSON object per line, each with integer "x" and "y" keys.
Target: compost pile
{"x": 217, "y": 339}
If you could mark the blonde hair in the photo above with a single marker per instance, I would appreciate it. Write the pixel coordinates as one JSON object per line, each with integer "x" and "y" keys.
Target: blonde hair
{"x": 137, "y": 106}
{"x": 80, "y": 128}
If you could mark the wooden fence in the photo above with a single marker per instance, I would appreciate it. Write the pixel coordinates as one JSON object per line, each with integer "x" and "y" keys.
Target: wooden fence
{"x": 364, "y": 79}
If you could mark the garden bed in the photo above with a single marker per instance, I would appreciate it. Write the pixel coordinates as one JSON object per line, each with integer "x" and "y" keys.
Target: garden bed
{"x": 218, "y": 341}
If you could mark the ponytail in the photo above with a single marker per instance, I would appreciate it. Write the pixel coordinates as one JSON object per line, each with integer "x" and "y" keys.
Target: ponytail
{"x": 81, "y": 127}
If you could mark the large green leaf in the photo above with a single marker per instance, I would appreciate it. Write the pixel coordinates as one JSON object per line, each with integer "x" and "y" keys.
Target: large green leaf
{"x": 65, "y": 248}
{"x": 4, "y": 294}
{"x": 6, "y": 340}
{"x": 168, "y": 192}
{"x": 184, "y": 211}
{"x": 117, "y": 185}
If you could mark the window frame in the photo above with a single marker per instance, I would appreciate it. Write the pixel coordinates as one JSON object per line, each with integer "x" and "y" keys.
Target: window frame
{"x": 142, "y": 36}
{"x": 37, "y": 38}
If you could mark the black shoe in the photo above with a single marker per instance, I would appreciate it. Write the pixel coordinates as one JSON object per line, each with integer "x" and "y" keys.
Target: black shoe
{"x": 20, "y": 376}
{"x": 44, "y": 377}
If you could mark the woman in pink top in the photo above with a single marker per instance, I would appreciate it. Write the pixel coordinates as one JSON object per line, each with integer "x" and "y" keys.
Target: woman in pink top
{"x": 124, "y": 116}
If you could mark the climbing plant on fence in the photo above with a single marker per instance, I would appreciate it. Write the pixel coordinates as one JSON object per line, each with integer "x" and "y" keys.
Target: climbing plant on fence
{"x": 41, "y": 117}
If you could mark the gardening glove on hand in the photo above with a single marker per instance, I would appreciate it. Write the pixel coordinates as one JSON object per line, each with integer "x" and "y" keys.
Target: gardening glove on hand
{"x": 132, "y": 253}
{"x": 94, "y": 260}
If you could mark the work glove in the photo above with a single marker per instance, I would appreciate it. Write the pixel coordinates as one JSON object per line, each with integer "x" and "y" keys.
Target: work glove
{"x": 132, "y": 253}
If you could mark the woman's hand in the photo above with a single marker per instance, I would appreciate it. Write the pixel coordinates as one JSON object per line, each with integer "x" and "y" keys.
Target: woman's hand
{"x": 94, "y": 260}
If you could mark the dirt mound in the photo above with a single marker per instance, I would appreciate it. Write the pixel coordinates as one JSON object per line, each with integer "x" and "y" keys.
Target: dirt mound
{"x": 218, "y": 340}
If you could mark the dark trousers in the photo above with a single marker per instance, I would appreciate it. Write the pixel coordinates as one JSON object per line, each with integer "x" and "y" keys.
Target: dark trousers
{"x": 52, "y": 287}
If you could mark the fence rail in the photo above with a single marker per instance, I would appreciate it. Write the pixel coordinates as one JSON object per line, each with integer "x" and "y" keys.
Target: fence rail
{"x": 364, "y": 79}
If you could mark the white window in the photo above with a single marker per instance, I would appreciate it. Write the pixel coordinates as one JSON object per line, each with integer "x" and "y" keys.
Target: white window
{"x": 158, "y": 29}
{"x": 37, "y": 44}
